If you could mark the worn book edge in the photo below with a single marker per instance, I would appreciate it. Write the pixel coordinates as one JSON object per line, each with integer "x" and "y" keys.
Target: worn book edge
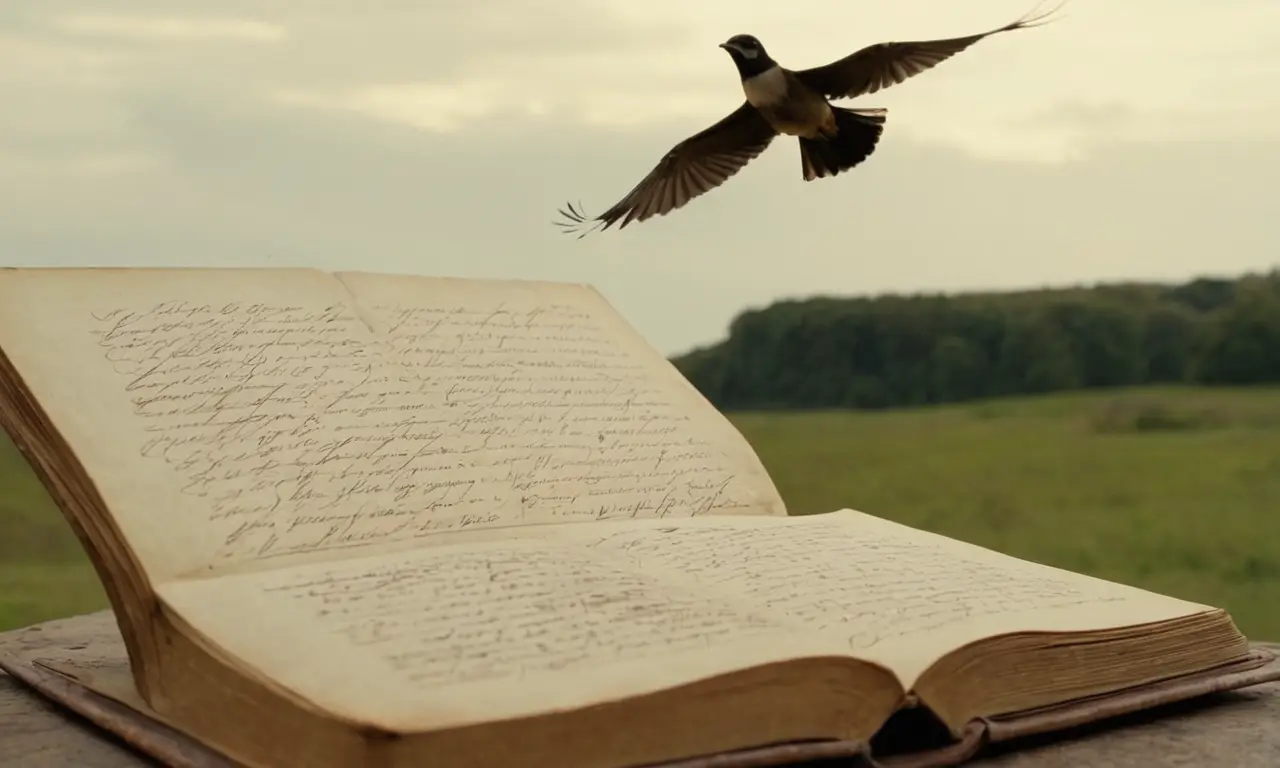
{"x": 71, "y": 686}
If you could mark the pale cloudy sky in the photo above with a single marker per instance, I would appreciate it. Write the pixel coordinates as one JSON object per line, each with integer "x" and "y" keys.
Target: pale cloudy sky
{"x": 1131, "y": 139}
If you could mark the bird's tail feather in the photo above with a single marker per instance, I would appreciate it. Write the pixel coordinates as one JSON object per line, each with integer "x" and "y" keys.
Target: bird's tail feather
{"x": 857, "y": 133}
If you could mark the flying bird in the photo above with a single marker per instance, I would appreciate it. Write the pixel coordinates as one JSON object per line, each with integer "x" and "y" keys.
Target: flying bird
{"x": 781, "y": 101}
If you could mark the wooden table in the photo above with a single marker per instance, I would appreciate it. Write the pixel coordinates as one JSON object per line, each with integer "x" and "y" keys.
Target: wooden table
{"x": 1234, "y": 730}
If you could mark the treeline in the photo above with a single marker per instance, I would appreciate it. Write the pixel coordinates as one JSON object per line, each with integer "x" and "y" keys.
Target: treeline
{"x": 894, "y": 350}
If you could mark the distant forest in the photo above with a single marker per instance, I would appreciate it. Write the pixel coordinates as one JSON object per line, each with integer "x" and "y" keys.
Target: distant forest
{"x": 903, "y": 350}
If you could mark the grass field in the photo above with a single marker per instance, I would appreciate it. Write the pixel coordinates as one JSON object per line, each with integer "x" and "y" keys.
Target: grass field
{"x": 44, "y": 573}
{"x": 1172, "y": 490}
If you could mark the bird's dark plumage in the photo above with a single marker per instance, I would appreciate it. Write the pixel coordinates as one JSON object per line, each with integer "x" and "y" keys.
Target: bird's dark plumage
{"x": 781, "y": 101}
{"x": 857, "y": 133}
{"x": 696, "y": 165}
{"x": 879, "y": 66}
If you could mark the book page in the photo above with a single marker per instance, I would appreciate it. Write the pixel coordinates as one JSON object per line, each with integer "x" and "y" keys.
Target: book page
{"x": 576, "y": 416}
{"x": 450, "y": 635}
{"x": 234, "y": 418}
{"x": 889, "y": 593}
{"x": 203, "y": 404}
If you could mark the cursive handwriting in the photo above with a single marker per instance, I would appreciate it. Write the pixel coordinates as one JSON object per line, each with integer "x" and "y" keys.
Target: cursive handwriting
{"x": 567, "y": 418}
{"x": 869, "y": 587}
{"x": 440, "y": 616}
{"x": 300, "y": 429}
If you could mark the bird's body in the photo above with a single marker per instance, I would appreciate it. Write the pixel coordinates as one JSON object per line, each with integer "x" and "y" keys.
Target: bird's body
{"x": 789, "y": 107}
{"x": 783, "y": 102}
{"x": 832, "y": 139}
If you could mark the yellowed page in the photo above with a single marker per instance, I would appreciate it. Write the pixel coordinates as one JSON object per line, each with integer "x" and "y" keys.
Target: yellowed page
{"x": 569, "y": 615}
{"x": 576, "y": 416}
{"x": 197, "y": 400}
{"x": 450, "y": 635}
{"x": 232, "y": 418}
{"x": 887, "y": 592}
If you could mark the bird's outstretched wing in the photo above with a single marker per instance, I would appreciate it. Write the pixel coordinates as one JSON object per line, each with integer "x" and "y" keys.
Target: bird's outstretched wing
{"x": 884, "y": 64}
{"x": 693, "y": 167}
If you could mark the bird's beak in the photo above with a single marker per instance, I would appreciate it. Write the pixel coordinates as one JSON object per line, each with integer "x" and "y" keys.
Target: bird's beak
{"x": 724, "y": 46}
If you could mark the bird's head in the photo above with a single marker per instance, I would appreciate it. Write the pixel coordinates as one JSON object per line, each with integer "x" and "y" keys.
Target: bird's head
{"x": 748, "y": 55}
{"x": 744, "y": 48}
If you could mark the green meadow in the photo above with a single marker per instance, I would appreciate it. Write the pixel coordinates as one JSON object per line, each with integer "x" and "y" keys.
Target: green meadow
{"x": 1175, "y": 490}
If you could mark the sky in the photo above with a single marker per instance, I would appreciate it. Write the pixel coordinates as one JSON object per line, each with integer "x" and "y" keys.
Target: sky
{"x": 1128, "y": 140}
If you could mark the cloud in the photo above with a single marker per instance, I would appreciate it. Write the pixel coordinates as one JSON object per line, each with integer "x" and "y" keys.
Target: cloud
{"x": 440, "y": 137}
{"x": 168, "y": 29}
{"x": 615, "y": 65}
{"x": 243, "y": 183}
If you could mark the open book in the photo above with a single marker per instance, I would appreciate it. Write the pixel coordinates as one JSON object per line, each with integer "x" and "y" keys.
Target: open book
{"x": 379, "y": 520}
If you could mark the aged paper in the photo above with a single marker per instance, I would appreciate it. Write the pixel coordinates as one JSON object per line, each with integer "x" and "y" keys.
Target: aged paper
{"x": 233, "y": 417}
{"x": 889, "y": 593}
{"x": 191, "y": 397}
{"x": 582, "y": 614}
{"x": 571, "y": 409}
{"x": 453, "y": 634}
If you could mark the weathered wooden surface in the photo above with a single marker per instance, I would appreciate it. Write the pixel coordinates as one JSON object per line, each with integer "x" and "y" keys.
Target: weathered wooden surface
{"x": 1234, "y": 730}
{"x": 35, "y": 732}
